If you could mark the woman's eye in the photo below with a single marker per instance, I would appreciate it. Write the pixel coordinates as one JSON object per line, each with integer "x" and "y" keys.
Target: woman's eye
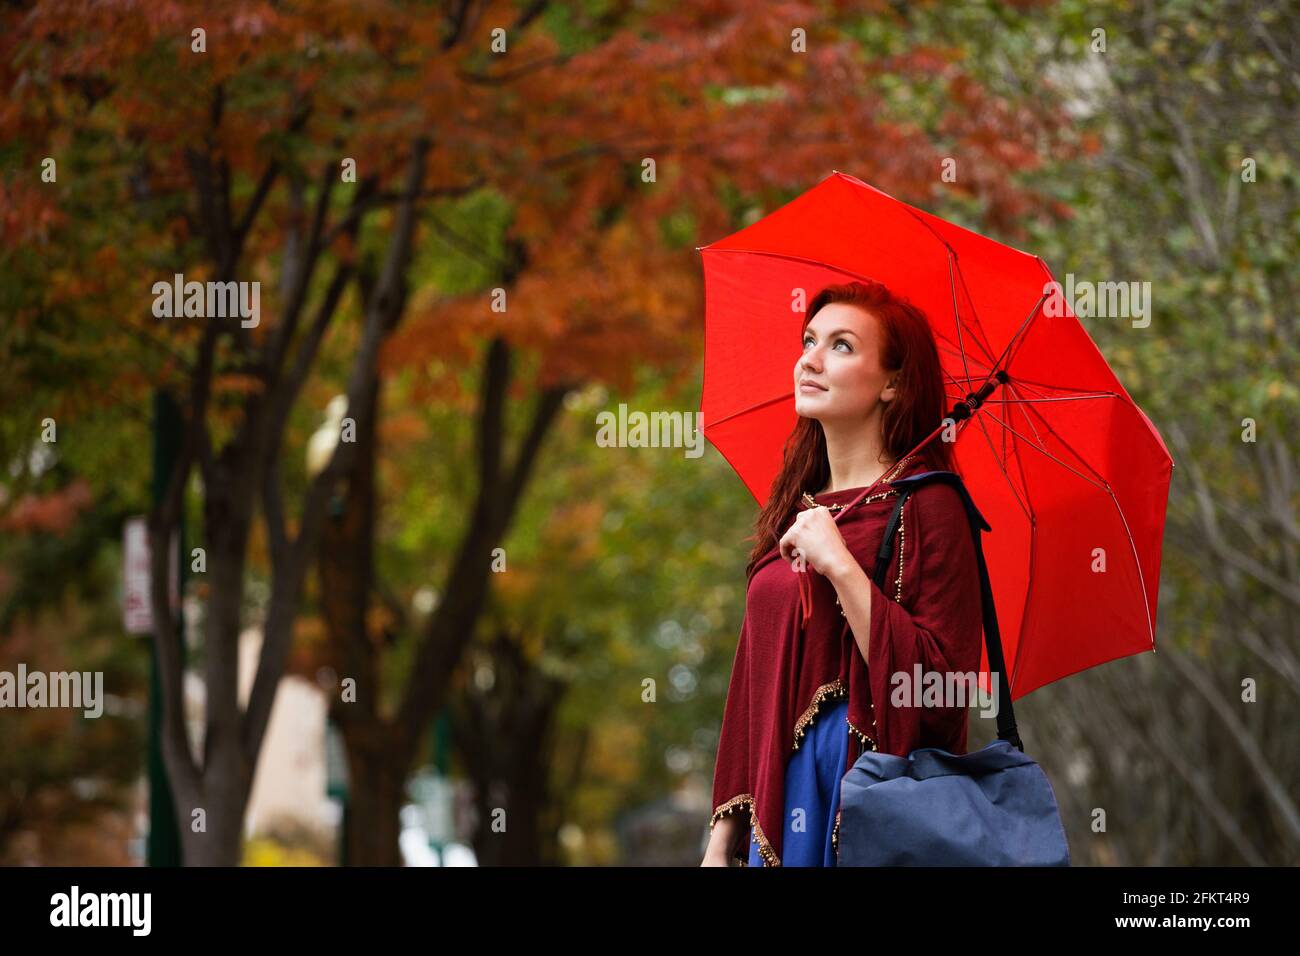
{"x": 845, "y": 342}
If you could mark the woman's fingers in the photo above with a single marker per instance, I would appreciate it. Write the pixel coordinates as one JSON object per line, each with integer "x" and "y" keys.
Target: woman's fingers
{"x": 789, "y": 541}
{"x": 788, "y": 546}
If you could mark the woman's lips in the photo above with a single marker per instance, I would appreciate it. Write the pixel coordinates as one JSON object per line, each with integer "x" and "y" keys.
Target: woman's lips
{"x": 807, "y": 387}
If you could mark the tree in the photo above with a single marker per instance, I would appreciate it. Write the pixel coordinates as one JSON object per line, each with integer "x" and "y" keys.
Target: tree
{"x": 1195, "y": 191}
{"x": 582, "y": 252}
{"x": 232, "y": 142}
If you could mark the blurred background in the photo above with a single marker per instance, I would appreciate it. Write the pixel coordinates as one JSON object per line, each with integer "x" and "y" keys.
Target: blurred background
{"x": 422, "y": 614}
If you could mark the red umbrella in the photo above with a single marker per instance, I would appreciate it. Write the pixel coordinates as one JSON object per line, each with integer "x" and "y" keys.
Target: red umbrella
{"x": 1060, "y": 459}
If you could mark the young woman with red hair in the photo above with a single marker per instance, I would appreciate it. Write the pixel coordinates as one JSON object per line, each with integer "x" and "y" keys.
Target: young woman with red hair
{"x": 807, "y": 697}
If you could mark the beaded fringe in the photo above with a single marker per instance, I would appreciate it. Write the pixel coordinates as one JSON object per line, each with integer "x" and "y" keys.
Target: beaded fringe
{"x": 867, "y": 742}
{"x": 825, "y": 692}
{"x": 764, "y": 847}
{"x": 898, "y": 594}
{"x": 835, "y": 689}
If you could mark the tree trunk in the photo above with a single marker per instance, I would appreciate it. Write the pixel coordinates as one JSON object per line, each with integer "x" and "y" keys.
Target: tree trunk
{"x": 505, "y": 739}
{"x": 377, "y": 790}
{"x": 221, "y": 843}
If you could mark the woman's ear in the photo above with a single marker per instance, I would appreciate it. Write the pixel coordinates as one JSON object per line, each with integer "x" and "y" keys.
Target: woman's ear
{"x": 890, "y": 391}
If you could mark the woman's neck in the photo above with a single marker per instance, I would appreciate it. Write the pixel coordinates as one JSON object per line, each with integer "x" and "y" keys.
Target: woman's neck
{"x": 855, "y": 462}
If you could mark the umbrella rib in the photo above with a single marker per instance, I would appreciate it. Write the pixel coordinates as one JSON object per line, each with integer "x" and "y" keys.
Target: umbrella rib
{"x": 961, "y": 393}
{"x": 1151, "y": 632}
{"x": 1033, "y": 542}
{"x": 1081, "y": 393}
{"x": 1137, "y": 563}
{"x": 953, "y": 349}
{"x": 1052, "y": 431}
{"x": 785, "y": 255}
{"x": 1029, "y": 421}
{"x": 1010, "y": 484}
{"x": 952, "y": 256}
{"x": 983, "y": 343}
{"x": 1041, "y": 299}
{"x": 1024, "y": 328}
{"x": 1041, "y": 449}
{"x": 1018, "y": 340}
{"x": 1015, "y": 449}
{"x": 1000, "y": 363}
{"x": 1040, "y": 386}
{"x": 958, "y": 347}
{"x": 751, "y": 408}
{"x": 974, "y": 311}
{"x": 1123, "y": 518}
{"x": 1063, "y": 398}
{"x": 1044, "y": 451}
{"x": 1019, "y": 461}
{"x": 1115, "y": 501}
{"x": 1033, "y": 538}
{"x": 956, "y": 316}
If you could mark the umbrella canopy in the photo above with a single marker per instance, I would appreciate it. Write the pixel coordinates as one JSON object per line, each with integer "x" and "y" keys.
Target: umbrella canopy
{"x": 1069, "y": 472}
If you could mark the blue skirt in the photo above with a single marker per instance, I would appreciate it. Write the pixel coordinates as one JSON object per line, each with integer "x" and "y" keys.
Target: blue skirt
{"x": 812, "y": 785}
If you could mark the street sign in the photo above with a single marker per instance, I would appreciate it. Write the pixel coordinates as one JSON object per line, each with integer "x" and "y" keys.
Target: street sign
{"x": 137, "y": 607}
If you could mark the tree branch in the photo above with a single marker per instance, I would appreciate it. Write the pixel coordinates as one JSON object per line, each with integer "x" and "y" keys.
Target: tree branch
{"x": 450, "y": 628}
{"x": 1240, "y": 734}
{"x": 286, "y": 588}
{"x": 509, "y": 76}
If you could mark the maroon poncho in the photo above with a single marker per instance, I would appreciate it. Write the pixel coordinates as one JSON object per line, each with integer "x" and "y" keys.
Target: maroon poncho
{"x": 784, "y": 671}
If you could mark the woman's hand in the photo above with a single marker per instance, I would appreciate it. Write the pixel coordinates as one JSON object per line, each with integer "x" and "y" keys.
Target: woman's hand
{"x": 816, "y": 538}
{"x": 722, "y": 842}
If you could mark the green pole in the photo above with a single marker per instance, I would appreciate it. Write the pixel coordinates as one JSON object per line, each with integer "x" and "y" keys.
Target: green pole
{"x": 442, "y": 743}
{"x": 336, "y": 785}
{"x": 337, "y": 773}
{"x": 164, "y": 844}
{"x": 441, "y": 747}
{"x": 345, "y": 832}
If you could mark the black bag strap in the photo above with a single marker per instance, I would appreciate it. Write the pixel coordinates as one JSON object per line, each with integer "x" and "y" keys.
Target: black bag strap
{"x": 992, "y": 636}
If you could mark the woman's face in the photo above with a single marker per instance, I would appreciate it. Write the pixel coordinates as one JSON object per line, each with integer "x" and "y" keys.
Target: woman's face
{"x": 838, "y": 376}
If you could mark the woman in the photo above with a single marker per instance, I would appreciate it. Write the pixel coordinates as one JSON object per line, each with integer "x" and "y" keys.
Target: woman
{"x": 806, "y": 699}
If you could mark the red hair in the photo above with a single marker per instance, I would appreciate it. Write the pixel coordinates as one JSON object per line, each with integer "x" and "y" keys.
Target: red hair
{"x": 906, "y": 345}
